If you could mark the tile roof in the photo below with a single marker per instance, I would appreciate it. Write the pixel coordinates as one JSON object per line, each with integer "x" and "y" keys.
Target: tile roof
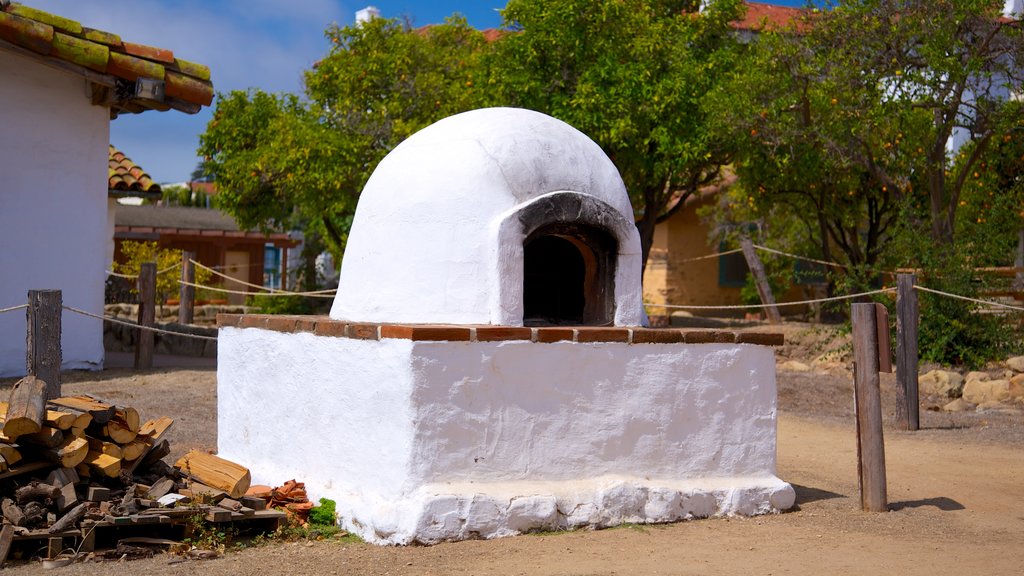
{"x": 769, "y": 17}
{"x": 112, "y": 66}
{"x": 125, "y": 178}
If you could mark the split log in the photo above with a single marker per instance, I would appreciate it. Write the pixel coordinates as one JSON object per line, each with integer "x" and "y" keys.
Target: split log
{"x": 12, "y": 513}
{"x": 68, "y": 497}
{"x": 103, "y": 447}
{"x": 161, "y": 487}
{"x": 82, "y": 422}
{"x": 63, "y": 476}
{"x": 26, "y": 408}
{"x": 54, "y": 418}
{"x": 103, "y": 464}
{"x": 152, "y": 434}
{"x": 216, "y": 472}
{"x": 46, "y": 437}
{"x": 114, "y": 430}
{"x": 36, "y": 491}
{"x": 10, "y": 454}
{"x": 156, "y": 428}
{"x": 6, "y": 537}
{"x": 134, "y": 449}
{"x": 69, "y": 519}
{"x": 129, "y": 417}
{"x": 199, "y": 492}
{"x": 3, "y": 465}
{"x": 101, "y": 412}
{"x": 70, "y": 453}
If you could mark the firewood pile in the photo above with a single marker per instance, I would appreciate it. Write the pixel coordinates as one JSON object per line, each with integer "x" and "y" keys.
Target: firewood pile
{"x": 72, "y": 466}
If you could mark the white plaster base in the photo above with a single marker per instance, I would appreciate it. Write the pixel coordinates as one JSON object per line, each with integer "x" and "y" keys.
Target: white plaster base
{"x": 432, "y": 441}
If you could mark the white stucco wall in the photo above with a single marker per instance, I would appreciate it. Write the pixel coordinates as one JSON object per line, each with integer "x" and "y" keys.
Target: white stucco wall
{"x": 427, "y": 239}
{"x": 431, "y": 441}
{"x": 53, "y": 205}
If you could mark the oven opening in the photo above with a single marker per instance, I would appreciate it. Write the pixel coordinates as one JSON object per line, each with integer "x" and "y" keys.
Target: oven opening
{"x": 569, "y": 276}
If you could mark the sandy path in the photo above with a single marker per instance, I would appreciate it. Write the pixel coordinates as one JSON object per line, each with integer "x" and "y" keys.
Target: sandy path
{"x": 958, "y": 510}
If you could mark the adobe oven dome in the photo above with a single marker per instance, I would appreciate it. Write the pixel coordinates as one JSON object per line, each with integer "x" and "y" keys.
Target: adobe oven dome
{"x": 439, "y": 231}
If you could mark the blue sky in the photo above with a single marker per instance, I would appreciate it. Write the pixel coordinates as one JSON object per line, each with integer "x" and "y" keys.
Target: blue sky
{"x": 264, "y": 44}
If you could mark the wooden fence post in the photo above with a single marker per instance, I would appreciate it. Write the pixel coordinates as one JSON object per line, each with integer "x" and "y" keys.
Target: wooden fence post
{"x": 43, "y": 353}
{"x": 147, "y": 316}
{"x": 907, "y": 409}
{"x": 868, "y": 403}
{"x": 186, "y": 300}
{"x": 764, "y": 290}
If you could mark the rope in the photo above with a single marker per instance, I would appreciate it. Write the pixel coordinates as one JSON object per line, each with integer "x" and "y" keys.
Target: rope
{"x": 726, "y": 253}
{"x": 134, "y": 325}
{"x": 227, "y": 291}
{"x": 270, "y": 290}
{"x": 804, "y": 258}
{"x": 135, "y": 276}
{"x": 13, "y": 308}
{"x": 985, "y": 302}
{"x": 743, "y": 306}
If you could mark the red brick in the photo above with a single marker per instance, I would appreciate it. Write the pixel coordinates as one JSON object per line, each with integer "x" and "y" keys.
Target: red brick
{"x": 600, "y": 334}
{"x": 554, "y": 334}
{"x": 499, "y": 333}
{"x": 330, "y": 328}
{"x": 441, "y": 333}
{"x": 253, "y": 321}
{"x": 363, "y": 331}
{"x": 761, "y": 338}
{"x": 657, "y": 336}
{"x": 306, "y": 323}
{"x": 709, "y": 337}
{"x": 281, "y": 323}
{"x": 228, "y": 320}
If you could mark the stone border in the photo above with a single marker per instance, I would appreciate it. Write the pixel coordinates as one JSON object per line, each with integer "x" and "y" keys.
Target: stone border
{"x": 325, "y": 326}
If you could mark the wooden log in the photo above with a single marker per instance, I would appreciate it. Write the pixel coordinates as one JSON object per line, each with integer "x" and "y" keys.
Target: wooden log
{"x": 36, "y": 491}
{"x": 103, "y": 464}
{"x": 186, "y": 300}
{"x": 152, "y": 433}
{"x": 128, "y": 417}
{"x": 4, "y": 467}
{"x": 870, "y": 443}
{"x": 53, "y": 418}
{"x": 764, "y": 289}
{"x": 101, "y": 412}
{"x": 43, "y": 353}
{"x": 45, "y": 438}
{"x": 10, "y": 453}
{"x": 199, "y": 492}
{"x": 26, "y": 408}
{"x": 105, "y": 447}
{"x": 68, "y": 520}
{"x": 6, "y": 538}
{"x": 35, "y": 513}
{"x": 134, "y": 449}
{"x": 161, "y": 487}
{"x": 12, "y": 512}
{"x": 82, "y": 422}
{"x": 63, "y": 477}
{"x": 908, "y": 413}
{"x": 147, "y": 316}
{"x": 216, "y": 472}
{"x": 156, "y": 428}
{"x": 114, "y": 430}
{"x": 69, "y": 453}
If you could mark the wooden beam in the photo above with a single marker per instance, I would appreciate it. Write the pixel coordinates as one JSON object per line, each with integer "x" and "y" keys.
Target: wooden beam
{"x": 907, "y": 317}
{"x": 868, "y": 403}
{"x": 43, "y": 352}
{"x": 147, "y": 316}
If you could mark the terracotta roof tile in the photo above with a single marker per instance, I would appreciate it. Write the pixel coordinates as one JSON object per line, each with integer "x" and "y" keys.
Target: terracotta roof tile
{"x": 104, "y": 59}
{"x": 769, "y": 17}
{"x": 124, "y": 176}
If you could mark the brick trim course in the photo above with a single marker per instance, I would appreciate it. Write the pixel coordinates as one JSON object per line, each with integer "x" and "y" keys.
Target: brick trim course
{"x": 325, "y": 326}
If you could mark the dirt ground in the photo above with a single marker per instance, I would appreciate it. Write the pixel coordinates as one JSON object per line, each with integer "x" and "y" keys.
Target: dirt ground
{"x": 954, "y": 490}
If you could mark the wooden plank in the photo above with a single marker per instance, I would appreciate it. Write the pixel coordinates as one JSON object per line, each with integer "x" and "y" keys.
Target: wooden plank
{"x": 764, "y": 290}
{"x": 215, "y": 471}
{"x": 68, "y": 498}
{"x": 24, "y": 468}
{"x": 147, "y": 316}
{"x": 254, "y": 503}
{"x": 26, "y": 408}
{"x": 6, "y": 537}
{"x": 43, "y": 353}
{"x": 870, "y": 444}
{"x": 907, "y": 319}
{"x": 161, "y": 487}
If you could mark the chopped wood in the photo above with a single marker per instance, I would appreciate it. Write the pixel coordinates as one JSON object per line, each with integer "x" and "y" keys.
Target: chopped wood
{"x": 104, "y": 447}
{"x": 54, "y": 418}
{"x": 46, "y": 437}
{"x": 129, "y": 417}
{"x": 6, "y": 537}
{"x": 35, "y": 513}
{"x": 12, "y": 512}
{"x": 62, "y": 476}
{"x": 69, "y": 519}
{"x": 103, "y": 464}
{"x": 218, "y": 515}
{"x": 26, "y": 408}
{"x": 162, "y": 487}
{"x": 24, "y": 468}
{"x": 114, "y": 430}
{"x": 199, "y": 492}
{"x": 36, "y": 491}
{"x": 156, "y": 428}
{"x": 254, "y": 502}
{"x": 70, "y": 453}
{"x": 68, "y": 497}
{"x": 153, "y": 454}
{"x": 134, "y": 449}
{"x": 216, "y": 472}
{"x": 3, "y": 465}
{"x": 230, "y": 504}
{"x": 101, "y": 413}
{"x": 10, "y": 454}
{"x": 82, "y": 422}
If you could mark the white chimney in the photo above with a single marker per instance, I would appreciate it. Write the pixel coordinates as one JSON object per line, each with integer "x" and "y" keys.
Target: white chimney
{"x": 1013, "y": 8}
{"x": 367, "y": 14}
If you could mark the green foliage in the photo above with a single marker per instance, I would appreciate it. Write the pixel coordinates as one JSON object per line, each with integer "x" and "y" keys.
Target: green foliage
{"x": 630, "y": 74}
{"x": 205, "y": 535}
{"x": 183, "y": 196}
{"x": 324, "y": 514}
{"x": 167, "y": 261}
{"x": 300, "y": 305}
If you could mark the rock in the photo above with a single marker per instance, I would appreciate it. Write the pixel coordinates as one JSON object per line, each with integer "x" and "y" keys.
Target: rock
{"x": 958, "y": 405}
{"x": 1016, "y": 363}
{"x": 981, "y": 391}
{"x": 977, "y": 376}
{"x": 941, "y": 383}
{"x": 794, "y": 366}
{"x": 1016, "y": 388}
{"x": 990, "y": 406}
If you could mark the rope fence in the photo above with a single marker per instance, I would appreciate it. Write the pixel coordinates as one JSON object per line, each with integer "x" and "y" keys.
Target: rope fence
{"x": 271, "y": 291}
{"x": 13, "y": 308}
{"x": 135, "y": 276}
{"x": 797, "y": 303}
{"x": 134, "y": 325}
{"x": 968, "y": 299}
